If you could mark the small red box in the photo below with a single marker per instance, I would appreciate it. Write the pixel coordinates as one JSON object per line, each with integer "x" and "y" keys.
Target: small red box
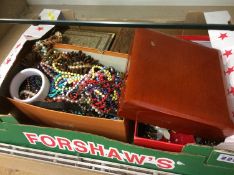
{"x": 163, "y": 145}
{"x": 200, "y": 39}
{"x": 194, "y": 37}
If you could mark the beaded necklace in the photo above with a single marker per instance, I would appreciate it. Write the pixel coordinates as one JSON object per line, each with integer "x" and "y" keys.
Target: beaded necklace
{"x": 78, "y": 79}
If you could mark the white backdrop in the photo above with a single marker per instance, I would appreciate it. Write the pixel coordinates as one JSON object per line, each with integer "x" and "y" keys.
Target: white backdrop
{"x": 137, "y": 2}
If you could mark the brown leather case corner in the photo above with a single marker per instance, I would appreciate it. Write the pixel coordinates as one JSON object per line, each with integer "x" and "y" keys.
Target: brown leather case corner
{"x": 176, "y": 84}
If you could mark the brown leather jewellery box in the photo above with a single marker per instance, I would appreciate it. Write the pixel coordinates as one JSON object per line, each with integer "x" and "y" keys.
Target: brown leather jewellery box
{"x": 177, "y": 85}
{"x": 170, "y": 83}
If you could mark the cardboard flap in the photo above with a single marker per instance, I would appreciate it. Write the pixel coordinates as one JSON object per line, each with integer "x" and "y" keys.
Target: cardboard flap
{"x": 222, "y": 158}
{"x": 178, "y": 80}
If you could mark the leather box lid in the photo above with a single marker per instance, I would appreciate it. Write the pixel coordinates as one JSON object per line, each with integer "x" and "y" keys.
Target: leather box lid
{"x": 176, "y": 84}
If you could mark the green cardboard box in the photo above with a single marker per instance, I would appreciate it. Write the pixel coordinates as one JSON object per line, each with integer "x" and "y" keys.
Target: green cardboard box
{"x": 193, "y": 160}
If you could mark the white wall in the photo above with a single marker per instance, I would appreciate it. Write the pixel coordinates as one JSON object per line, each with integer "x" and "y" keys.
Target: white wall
{"x": 137, "y": 2}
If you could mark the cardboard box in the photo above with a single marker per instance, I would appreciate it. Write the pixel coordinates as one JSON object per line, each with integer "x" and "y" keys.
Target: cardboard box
{"x": 93, "y": 125}
{"x": 192, "y": 113}
{"x": 193, "y": 160}
{"x": 58, "y": 119}
{"x": 115, "y": 129}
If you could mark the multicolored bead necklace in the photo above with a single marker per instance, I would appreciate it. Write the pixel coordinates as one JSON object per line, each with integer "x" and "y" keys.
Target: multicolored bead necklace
{"x": 80, "y": 80}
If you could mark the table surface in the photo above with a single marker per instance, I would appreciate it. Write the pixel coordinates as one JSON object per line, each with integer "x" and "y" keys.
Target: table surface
{"x": 12, "y": 165}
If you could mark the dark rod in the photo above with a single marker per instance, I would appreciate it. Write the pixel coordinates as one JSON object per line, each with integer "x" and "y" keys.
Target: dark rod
{"x": 120, "y": 24}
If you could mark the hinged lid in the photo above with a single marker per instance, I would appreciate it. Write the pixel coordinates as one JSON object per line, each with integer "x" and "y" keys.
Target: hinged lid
{"x": 176, "y": 84}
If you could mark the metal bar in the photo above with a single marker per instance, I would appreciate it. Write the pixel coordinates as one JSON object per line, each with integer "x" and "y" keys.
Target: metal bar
{"x": 120, "y": 24}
